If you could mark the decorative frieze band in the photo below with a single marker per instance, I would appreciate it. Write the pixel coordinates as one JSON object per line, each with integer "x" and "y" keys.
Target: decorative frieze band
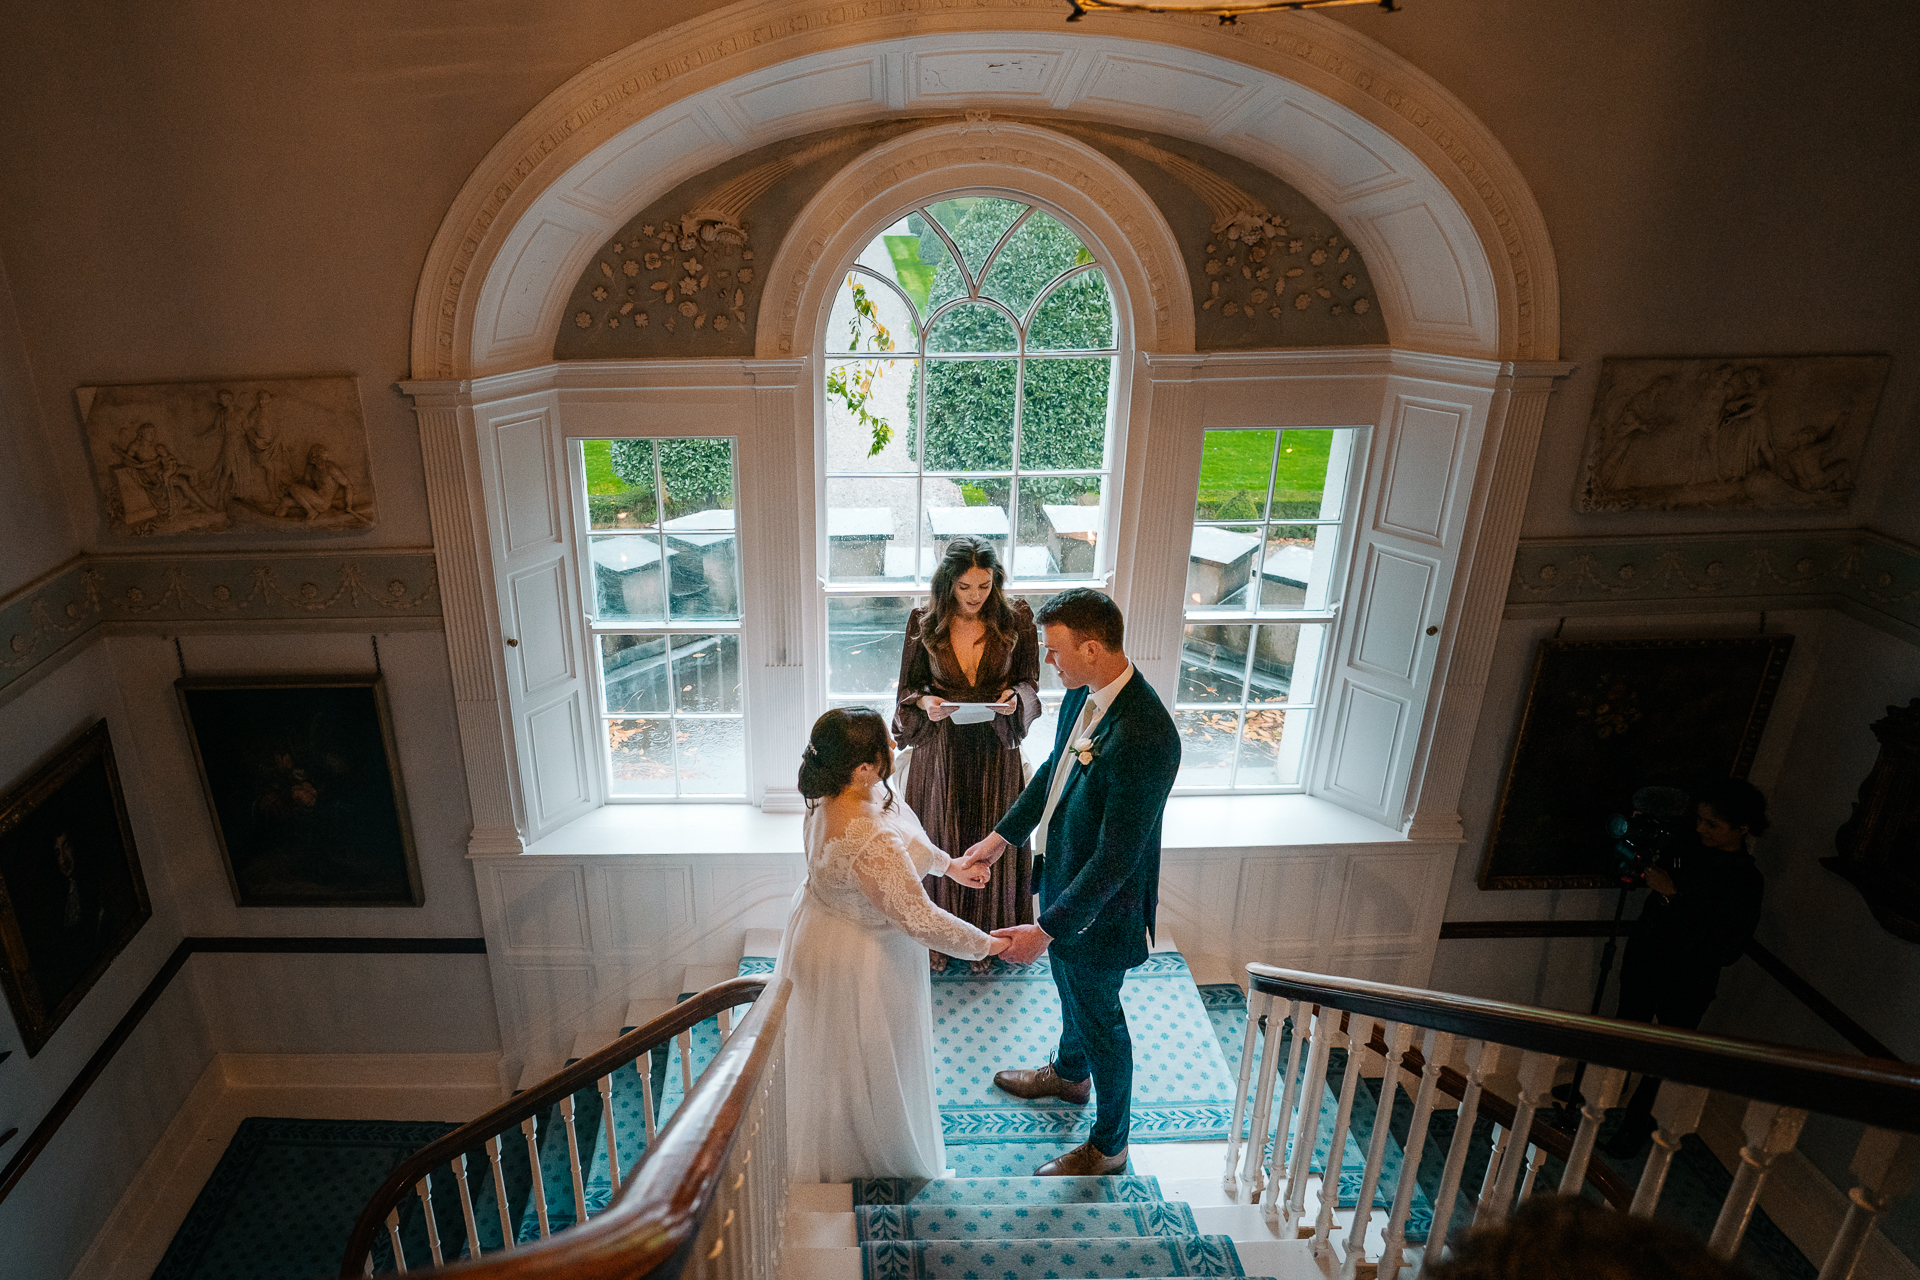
{"x": 1856, "y": 567}
{"x": 380, "y": 588}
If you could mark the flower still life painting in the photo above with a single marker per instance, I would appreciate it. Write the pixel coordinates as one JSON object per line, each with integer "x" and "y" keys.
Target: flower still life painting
{"x": 303, "y": 782}
{"x": 71, "y": 892}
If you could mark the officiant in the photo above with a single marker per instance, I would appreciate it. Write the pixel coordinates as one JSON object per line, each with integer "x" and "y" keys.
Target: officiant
{"x": 969, "y": 690}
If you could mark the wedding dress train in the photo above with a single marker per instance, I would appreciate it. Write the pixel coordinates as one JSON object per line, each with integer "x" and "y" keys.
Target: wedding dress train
{"x": 860, "y": 1020}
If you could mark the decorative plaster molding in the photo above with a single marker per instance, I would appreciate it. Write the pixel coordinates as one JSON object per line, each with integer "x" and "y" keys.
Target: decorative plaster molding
{"x": 1864, "y": 572}
{"x": 55, "y": 615}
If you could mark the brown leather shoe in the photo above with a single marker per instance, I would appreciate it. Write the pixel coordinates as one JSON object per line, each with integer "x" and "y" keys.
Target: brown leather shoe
{"x": 1044, "y": 1083}
{"x": 1084, "y": 1160}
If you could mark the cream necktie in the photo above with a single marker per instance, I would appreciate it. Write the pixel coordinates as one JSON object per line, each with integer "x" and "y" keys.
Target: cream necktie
{"x": 1061, "y": 768}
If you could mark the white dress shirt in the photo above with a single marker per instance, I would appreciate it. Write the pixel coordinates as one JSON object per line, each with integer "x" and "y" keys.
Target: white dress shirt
{"x": 1091, "y": 712}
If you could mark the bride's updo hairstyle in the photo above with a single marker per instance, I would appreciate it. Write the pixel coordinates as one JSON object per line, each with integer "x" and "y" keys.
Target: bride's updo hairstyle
{"x": 842, "y": 740}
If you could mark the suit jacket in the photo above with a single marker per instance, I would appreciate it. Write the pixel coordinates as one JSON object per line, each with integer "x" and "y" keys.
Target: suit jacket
{"x": 1099, "y": 883}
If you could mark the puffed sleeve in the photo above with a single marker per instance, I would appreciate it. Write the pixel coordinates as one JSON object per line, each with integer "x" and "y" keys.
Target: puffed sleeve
{"x": 883, "y": 867}
{"x": 910, "y": 723}
{"x": 1023, "y": 677}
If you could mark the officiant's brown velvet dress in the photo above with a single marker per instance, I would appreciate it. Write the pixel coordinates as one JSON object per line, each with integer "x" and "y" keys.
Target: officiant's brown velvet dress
{"x": 965, "y": 776}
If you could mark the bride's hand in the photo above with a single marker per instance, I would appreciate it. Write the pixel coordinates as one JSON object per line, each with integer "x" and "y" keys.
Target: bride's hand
{"x": 997, "y": 945}
{"x": 973, "y": 875}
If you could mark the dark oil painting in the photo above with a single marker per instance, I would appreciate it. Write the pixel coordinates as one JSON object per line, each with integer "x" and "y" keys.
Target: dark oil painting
{"x": 303, "y": 781}
{"x": 71, "y": 892}
{"x": 1604, "y": 718}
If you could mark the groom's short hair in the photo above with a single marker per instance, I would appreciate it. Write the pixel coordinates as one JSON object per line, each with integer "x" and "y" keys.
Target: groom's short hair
{"x": 1087, "y": 613}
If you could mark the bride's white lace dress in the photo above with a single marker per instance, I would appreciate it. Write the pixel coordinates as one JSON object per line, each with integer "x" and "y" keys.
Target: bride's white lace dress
{"x": 860, "y": 1020}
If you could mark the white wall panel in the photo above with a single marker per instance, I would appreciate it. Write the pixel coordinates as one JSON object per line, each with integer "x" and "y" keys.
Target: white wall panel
{"x": 544, "y": 626}
{"x": 1344, "y": 162}
{"x": 537, "y": 277}
{"x": 1279, "y": 900}
{"x": 816, "y": 91}
{"x": 1382, "y": 894}
{"x": 543, "y": 908}
{"x": 636, "y": 160}
{"x": 1393, "y": 606}
{"x": 1363, "y": 750}
{"x": 562, "y": 787}
{"x": 525, "y": 463}
{"x": 647, "y": 906}
{"x": 966, "y": 73}
{"x": 1420, "y": 469}
{"x": 1431, "y": 274}
{"x": 1188, "y": 95}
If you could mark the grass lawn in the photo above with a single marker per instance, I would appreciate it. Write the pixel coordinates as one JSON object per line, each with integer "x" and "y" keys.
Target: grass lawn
{"x": 600, "y": 477}
{"x": 1236, "y": 461}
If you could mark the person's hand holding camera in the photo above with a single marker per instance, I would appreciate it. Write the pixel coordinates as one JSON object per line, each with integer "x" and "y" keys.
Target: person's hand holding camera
{"x": 1660, "y": 882}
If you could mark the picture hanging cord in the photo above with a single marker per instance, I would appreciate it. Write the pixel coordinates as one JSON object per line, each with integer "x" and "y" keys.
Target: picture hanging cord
{"x": 376, "y": 655}
{"x": 181, "y": 656}
{"x": 1562, "y": 627}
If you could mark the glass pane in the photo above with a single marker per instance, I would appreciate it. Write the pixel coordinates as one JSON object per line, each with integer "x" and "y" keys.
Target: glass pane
{"x": 1206, "y": 747}
{"x": 869, "y": 316}
{"x": 1271, "y": 754}
{"x": 1297, "y": 567}
{"x": 944, "y": 281}
{"x": 969, "y": 415}
{"x": 634, "y": 672}
{"x": 1041, "y": 249}
{"x": 641, "y": 754}
{"x": 1286, "y": 661}
{"x": 1219, "y": 567}
{"x": 976, "y": 224}
{"x": 1234, "y": 470}
{"x": 1300, "y": 474}
{"x": 1078, "y": 316}
{"x": 871, "y": 527}
{"x": 1039, "y": 741}
{"x": 973, "y": 326}
{"x": 865, "y": 635}
{"x": 1063, "y": 413}
{"x": 1213, "y": 664}
{"x": 918, "y": 256}
{"x": 870, "y": 402}
{"x": 627, "y": 578}
{"x": 713, "y": 757}
{"x": 703, "y": 561}
{"x": 697, "y": 475}
{"x": 1050, "y": 685}
{"x": 619, "y": 483}
{"x": 706, "y": 674}
{"x": 981, "y": 512}
{"x": 1059, "y": 528}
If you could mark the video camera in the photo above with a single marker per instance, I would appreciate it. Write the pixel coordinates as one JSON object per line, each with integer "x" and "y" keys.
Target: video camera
{"x": 1657, "y": 833}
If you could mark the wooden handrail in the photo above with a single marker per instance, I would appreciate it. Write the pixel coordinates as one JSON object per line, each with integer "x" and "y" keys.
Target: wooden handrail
{"x": 1871, "y": 1090}
{"x": 571, "y": 1079}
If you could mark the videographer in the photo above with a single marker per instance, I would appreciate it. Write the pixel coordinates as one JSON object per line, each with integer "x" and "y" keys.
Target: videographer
{"x": 1700, "y": 913}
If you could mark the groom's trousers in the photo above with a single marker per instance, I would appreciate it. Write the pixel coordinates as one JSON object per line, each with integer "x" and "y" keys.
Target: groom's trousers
{"x": 1094, "y": 1041}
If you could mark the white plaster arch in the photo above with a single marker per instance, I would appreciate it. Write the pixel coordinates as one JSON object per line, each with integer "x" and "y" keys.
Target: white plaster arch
{"x": 1453, "y": 238}
{"x": 1152, "y": 292}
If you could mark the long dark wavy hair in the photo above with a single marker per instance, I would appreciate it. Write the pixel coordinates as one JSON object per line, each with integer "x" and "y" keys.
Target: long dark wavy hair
{"x": 842, "y": 740}
{"x": 962, "y": 556}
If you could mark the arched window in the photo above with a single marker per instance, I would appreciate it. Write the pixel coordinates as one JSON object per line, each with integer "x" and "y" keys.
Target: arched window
{"x": 969, "y": 366}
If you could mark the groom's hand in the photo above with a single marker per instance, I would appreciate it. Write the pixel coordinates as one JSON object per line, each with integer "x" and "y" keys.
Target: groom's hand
{"x": 986, "y": 852}
{"x": 1025, "y": 943}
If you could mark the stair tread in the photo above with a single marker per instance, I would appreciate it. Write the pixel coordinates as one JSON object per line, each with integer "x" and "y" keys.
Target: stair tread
{"x": 1071, "y": 1190}
{"x": 1092, "y": 1220}
{"x": 1197, "y": 1256}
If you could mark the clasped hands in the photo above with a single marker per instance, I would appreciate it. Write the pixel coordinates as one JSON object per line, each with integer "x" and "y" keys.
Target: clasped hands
{"x": 1020, "y": 943}
{"x": 938, "y": 708}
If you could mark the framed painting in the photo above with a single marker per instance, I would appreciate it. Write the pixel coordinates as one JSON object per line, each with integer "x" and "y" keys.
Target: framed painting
{"x": 1604, "y": 718}
{"x": 71, "y": 892}
{"x": 303, "y": 782}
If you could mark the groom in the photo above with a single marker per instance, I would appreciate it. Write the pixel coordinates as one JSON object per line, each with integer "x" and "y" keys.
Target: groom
{"x": 1094, "y": 812}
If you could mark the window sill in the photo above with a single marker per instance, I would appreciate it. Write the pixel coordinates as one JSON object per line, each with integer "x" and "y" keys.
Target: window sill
{"x": 1192, "y": 822}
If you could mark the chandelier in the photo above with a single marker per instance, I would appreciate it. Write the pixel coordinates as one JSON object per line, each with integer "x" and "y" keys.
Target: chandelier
{"x": 1225, "y": 10}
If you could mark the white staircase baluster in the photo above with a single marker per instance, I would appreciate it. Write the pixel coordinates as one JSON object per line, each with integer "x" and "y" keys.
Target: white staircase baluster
{"x": 1228, "y": 1182}
{"x": 1678, "y": 1108}
{"x": 1435, "y": 1046}
{"x": 1771, "y": 1131}
{"x": 1253, "y": 1172}
{"x": 573, "y": 1161}
{"x": 1359, "y": 1031}
{"x": 1534, "y": 1160}
{"x": 1594, "y": 1105}
{"x": 1302, "y": 1035}
{"x": 1885, "y": 1164}
{"x": 613, "y": 1146}
{"x": 726, "y": 1024}
{"x": 686, "y": 1064}
{"x": 1502, "y": 1139}
{"x": 459, "y": 1166}
{"x": 433, "y": 1228}
{"x": 539, "y": 1179}
{"x": 644, "y": 1064}
{"x": 1482, "y": 1060}
{"x": 393, "y": 1234}
{"x": 1307, "y": 1126}
{"x": 1355, "y": 1251}
{"x": 508, "y": 1236}
{"x": 1536, "y": 1078}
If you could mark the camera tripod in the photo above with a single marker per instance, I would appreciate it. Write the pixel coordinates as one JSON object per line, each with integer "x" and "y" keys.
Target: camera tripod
{"x": 1569, "y": 1110}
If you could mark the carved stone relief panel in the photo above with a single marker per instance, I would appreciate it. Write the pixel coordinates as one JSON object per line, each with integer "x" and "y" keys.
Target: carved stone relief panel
{"x": 244, "y": 457}
{"x": 1763, "y": 433}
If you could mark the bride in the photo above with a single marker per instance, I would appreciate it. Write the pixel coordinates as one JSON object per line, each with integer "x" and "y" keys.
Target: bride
{"x": 860, "y": 1020}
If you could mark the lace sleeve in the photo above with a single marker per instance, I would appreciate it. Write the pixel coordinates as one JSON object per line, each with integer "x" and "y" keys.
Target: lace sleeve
{"x": 885, "y": 874}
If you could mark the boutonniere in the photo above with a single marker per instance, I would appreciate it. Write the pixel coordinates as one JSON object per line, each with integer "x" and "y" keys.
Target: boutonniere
{"x": 1087, "y": 750}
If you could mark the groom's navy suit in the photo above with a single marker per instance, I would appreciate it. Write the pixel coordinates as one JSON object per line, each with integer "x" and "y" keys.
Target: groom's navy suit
{"x": 1099, "y": 882}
